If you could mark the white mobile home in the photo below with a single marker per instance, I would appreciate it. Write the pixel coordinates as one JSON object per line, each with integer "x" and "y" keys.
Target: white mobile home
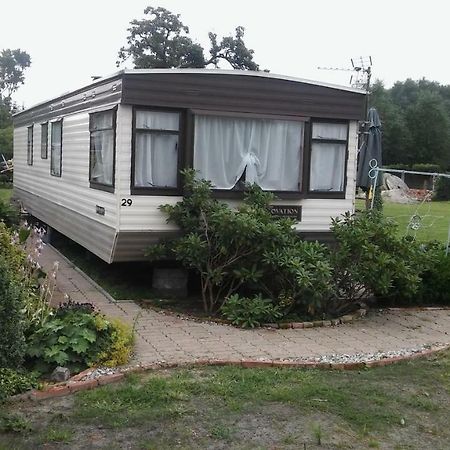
{"x": 96, "y": 163}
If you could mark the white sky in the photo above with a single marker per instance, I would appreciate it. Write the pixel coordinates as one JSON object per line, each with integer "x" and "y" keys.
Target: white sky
{"x": 71, "y": 40}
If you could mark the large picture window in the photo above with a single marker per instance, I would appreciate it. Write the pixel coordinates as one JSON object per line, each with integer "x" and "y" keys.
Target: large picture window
{"x": 56, "y": 149}
{"x": 267, "y": 152}
{"x": 156, "y": 149}
{"x": 101, "y": 160}
{"x": 328, "y": 152}
{"x": 30, "y": 145}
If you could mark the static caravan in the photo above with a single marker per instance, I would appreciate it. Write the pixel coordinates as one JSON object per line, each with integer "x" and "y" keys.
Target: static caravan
{"x": 96, "y": 163}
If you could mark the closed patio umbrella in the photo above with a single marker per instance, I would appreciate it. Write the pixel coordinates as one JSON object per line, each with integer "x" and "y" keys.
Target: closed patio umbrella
{"x": 370, "y": 150}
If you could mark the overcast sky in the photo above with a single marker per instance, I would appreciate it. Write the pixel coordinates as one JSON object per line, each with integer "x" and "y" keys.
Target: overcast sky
{"x": 70, "y": 41}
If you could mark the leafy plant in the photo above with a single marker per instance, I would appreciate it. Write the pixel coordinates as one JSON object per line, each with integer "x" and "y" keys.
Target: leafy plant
{"x": 8, "y": 214}
{"x": 224, "y": 245}
{"x": 442, "y": 191}
{"x": 435, "y": 276}
{"x": 77, "y": 337}
{"x": 371, "y": 259}
{"x": 250, "y": 312}
{"x": 119, "y": 350}
{"x": 13, "y": 423}
{"x": 13, "y": 382}
{"x": 13, "y": 293}
{"x": 300, "y": 276}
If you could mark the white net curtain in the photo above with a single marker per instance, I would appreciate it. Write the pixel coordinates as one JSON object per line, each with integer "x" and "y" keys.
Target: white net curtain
{"x": 269, "y": 151}
{"x": 156, "y": 154}
{"x": 328, "y": 151}
{"x": 102, "y": 148}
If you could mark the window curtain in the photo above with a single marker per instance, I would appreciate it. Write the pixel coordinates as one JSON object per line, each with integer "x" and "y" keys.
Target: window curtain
{"x": 327, "y": 167}
{"x": 156, "y": 150}
{"x": 102, "y": 148}
{"x": 156, "y": 160}
{"x": 336, "y": 131}
{"x": 157, "y": 120}
{"x": 268, "y": 150}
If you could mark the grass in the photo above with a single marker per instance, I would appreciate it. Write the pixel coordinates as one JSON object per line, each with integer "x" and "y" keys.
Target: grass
{"x": 5, "y": 195}
{"x": 401, "y": 406}
{"x": 434, "y": 218}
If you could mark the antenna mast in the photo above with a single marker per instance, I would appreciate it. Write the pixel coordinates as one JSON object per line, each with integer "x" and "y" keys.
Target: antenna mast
{"x": 362, "y": 71}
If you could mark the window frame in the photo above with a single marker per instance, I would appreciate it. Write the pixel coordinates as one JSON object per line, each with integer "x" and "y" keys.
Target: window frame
{"x": 96, "y": 184}
{"x": 60, "y": 121}
{"x": 327, "y": 194}
{"x": 30, "y": 128}
{"x": 44, "y": 149}
{"x": 239, "y": 192}
{"x": 155, "y": 190}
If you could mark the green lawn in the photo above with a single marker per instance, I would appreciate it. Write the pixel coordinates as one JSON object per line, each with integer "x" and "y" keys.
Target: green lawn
{"x": 434, "y": 218}
{"x": 5, "y": 195}
{"x": 405, "y": 406}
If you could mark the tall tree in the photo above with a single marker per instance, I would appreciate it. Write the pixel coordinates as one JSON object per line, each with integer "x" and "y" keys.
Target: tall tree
{"x": 12, "y": 66}
{"x": 161, "y": 40}
{"x": 396, "y": 138}
{"x": 416, "y": 120}
{"x": 429, "y": 123}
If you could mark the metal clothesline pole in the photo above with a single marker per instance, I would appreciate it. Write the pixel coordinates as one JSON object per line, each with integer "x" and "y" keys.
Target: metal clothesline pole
{"x": 373, "y": 175}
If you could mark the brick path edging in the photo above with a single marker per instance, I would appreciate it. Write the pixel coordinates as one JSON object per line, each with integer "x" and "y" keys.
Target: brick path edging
{"x": 76, "y": 384}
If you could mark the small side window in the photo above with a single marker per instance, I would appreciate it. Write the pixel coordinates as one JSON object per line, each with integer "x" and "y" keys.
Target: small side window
{"x": 56, "y": 149}
{"x": 156, "y": 149}
{"x": 101, "y": 160}
{"x": 30, "y": 145}
{"x": 44, "y": 140}
{"x": 328, "y": 152}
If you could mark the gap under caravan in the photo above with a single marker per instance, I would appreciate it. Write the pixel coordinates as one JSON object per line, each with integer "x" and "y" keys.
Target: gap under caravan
{"x": 96, "y": 163}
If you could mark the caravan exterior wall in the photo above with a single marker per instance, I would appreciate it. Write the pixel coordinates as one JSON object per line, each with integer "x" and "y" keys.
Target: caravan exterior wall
{"x": 119, "y": 222}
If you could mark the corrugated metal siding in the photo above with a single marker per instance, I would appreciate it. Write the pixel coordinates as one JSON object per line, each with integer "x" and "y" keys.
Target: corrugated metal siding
{"x": 96, "y": 237}
{"x": 317, "y": 213}
{"x": 69, "y": 194}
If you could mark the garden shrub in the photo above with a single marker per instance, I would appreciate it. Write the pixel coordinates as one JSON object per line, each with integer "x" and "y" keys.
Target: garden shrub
{"x": 426, "y": 167}
{"x": 237, "y": 249}
{"x": 76, "y": 337}
{"x": 371, "y": 259}
{"x": 223, "y": 245}
{"x": 250, "y": 312}
{"x": 8, "y": 214}
{"x": 13, "y": 295}
{"x": 12, "y": 299}
{"x": 121, "y": 344}
{"x": 14, "y": 382}
{"x": 434, "y": 288}
{"x": 299, "y": 276}
{"x": 442, "y": 189}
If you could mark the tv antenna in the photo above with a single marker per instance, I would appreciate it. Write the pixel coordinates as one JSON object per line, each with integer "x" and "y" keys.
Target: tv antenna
{"x": 362, "y": 71}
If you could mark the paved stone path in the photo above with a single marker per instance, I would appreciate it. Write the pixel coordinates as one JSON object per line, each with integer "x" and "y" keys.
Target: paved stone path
{"x": 166, "y": 337}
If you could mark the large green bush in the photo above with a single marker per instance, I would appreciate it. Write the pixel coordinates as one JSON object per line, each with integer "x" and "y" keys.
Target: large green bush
{"x": 434, "y": 288}
{"x": 442, "y": 190}
{"x": 370, "y": 258}
{"x": 242, "y": 248}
